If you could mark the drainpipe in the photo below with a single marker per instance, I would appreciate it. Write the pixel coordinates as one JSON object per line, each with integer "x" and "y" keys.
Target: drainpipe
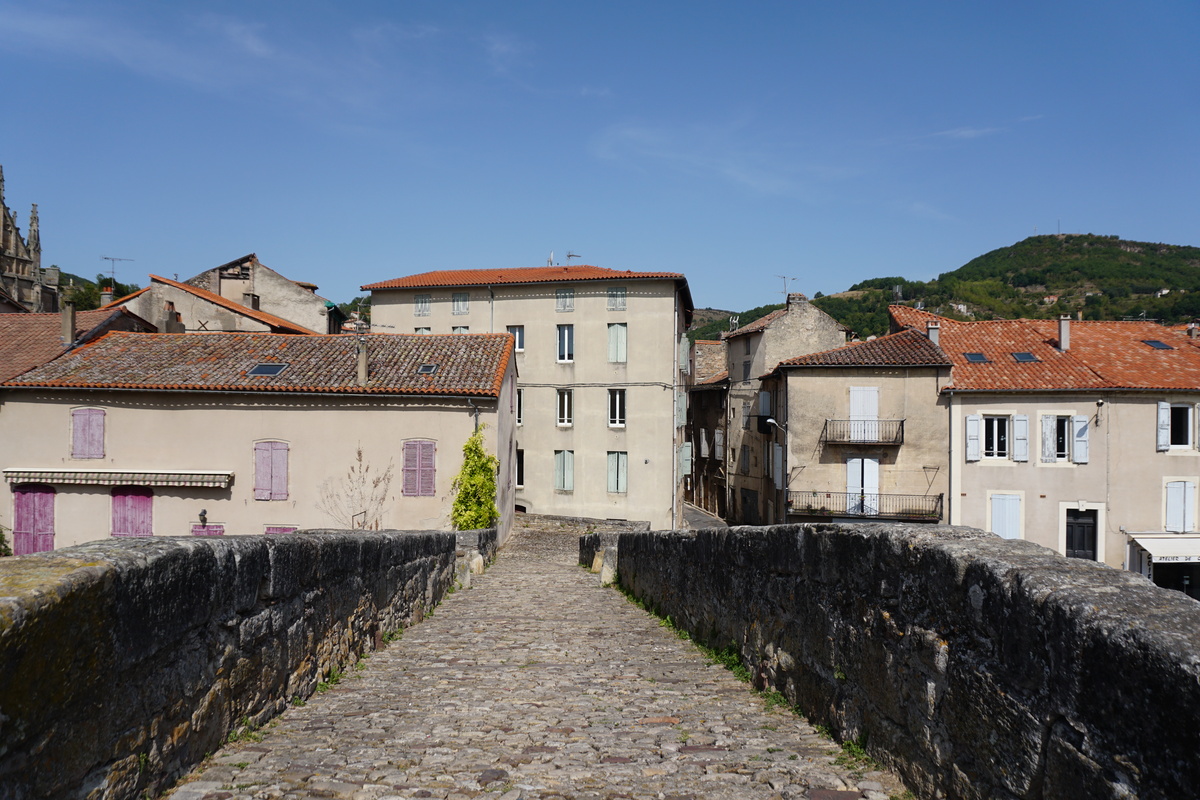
{"x": 475, "y": 411}
{"x": 675, "y": 438}
{"x": 491, "y": 314}
{"x": 949, "y": 456}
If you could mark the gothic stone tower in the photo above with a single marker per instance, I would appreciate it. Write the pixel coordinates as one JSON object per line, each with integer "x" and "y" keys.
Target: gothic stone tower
{"x": 21, "y": 273}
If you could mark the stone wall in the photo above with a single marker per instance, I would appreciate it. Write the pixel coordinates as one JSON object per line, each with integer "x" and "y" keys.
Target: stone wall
{"x": 124, "y": 662}
{"x": 974, "y": 666}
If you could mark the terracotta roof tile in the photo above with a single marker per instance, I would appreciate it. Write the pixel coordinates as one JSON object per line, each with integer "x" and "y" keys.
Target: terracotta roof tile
{"x": 33, "y": 339}
{"x": 486, "y": 277}
{"x": 277, "y": 324}
{"x": 757, "y": 325}
{"x": 1101, "y": 355}
{"x": 904, "y": 349}
{"x": 468, "y": 364}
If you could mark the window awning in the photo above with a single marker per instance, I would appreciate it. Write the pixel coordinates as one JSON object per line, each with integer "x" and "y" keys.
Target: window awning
{"x": 109, "y": 477}
{"x": 1171, "y": 548}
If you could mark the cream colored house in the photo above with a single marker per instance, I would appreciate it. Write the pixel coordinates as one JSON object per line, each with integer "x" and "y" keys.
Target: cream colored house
{"x": 227, "y": 433}
{"x": 797, "y": 329}
{"x": 601, "y": 357}
{"x": 860, "y": 432}
{"x": 1080, "y": 436}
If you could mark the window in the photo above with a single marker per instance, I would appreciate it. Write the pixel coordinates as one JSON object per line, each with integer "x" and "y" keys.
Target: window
{"x": 719, "y": 444}
{"x": 618, "y": 472}
{"x": 617, "y": 342}
{"x": 1064, "y": 438}
{"x": 520, "y": 468}
{"x": 132, "y": 511}
{"x": 1157, "y": 345}
{"x": 616, "y": 298}
{"x": 461, "y": 303}
{"x": 976, "y": 358}
{"x": 208, "y": 530}
{"x": 564, "y": 407}
{"x": 564, "y": 299}
{"x": 422, "y": 304}
{"x": 1025, "y": 358}
{"x": 423, "y": 330}
{"x": 616, "y": 408}
{"x": 995, "y": 437}
{"x": 746, "y": 415}
{"x": 747, "y": 341}
{"x": 745, "y": 370}
{"x": 744, "y": 458}
{"x": 87, "y": 433}
{"x": 420, "y": 468}
{"x": 520, "y": 406}
{"x": 564, "y": 470}
{"x": 266, "y": 370}
{"x": 461, "y": 329}
{"x": 270, "y": 471}
{"x": 518, "y": 334}
{"x": 1175, "y": 424}
{"x": 566, "y": 343}
{"x": 1006, "y": 515}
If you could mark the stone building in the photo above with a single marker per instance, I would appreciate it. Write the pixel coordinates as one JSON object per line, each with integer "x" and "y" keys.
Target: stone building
{"x": 21, "y": 275}
{"x": 601, "y": 359}
{"x": 753, "y": 350}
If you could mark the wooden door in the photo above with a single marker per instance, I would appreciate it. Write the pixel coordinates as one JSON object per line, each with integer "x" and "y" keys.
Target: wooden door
{"x": 132, "y": 511}
{"x": 33, "y": 519}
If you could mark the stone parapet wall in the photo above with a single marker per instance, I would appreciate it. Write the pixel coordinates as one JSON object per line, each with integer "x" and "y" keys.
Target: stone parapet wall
{"x": 485, "y": 541}
{"x": 572, "y": 525}
{"x": 125, "y": 661}
{"x": 974, "y": 666}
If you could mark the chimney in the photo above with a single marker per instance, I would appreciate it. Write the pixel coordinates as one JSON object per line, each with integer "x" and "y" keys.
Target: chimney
{"x": 1064, "y": 332}
{"x": 68, "y": 323}
{"x": 362, "y": 362}
{"x": 106, "y": 296}
{"x": 1192, "y": 330}
{"x": 934, "y": 331}
{"x": 796, "y": 298}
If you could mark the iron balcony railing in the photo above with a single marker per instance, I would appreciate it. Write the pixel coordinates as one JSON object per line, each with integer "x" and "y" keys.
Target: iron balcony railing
{"x": 865, "y": 504}
{"x": 863, "y": 431}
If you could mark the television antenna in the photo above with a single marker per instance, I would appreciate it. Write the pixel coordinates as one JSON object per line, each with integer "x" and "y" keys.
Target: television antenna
{"x": 571, "y": 255}
{"x": 786, "y": 280}
{"x": 112, "y": 269}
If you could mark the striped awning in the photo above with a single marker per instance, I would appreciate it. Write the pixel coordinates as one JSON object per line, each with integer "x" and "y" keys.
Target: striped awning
{"x": 107, "y": 477}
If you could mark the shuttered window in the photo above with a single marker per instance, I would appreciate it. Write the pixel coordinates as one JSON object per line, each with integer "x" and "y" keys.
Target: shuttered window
{"x": 270, "y": 471}
{"x": 1181, "y": 506}
{"x": 564, "y": 300}
{"x": 87, "y": 433}
{"x": 618, "y": 336}
{"x": 420, "y": 468}
{"x": 132, "y": 511}
{"x": 564, "y": 470}
{"x": 618, "y": 472}
{"x": 1020, "y": 443}
{"x": 1006, "y": 515}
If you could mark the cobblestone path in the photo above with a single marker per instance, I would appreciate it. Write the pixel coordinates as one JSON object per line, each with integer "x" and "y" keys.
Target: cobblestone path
{"x": 535, "y": 683}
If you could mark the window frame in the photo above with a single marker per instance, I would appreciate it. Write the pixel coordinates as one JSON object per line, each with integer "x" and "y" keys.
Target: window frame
{"x": 460, "y": 303}
{"x": 519, "y": 470}
{"x": 422, "y": 305}
{"x": 418, "y": 469}
{"x": 565, "y": 408}
{"x": 518, "y": 334}
{"x": 564, "y": 470}
{"x": 564, "y": 300}
{"x": 618, "y": 472}
{"x": 1188, "y": 426}
{"x": 520, "y": 406}
{"x": 460, "y": 329}
{"x": 617, "y": 298}
{"x": 617, "y": 408}
{"x": 423, "y": 331}
{"x": 996, "y": 427}
{"x": 565, "y": 340}
{"x": 272, "y": 469}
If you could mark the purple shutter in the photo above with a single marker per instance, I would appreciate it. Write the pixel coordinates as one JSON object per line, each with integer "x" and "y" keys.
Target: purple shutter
{"x": 428, "y": 469}
{"x": 280, "y": 529}
{"x": 208, "y": 530}
{"x": 87, "y": 433}
{"x": 33, "y": 519}
{"x": 132, "y": 511}
{"x": 262, "y": 470}
{"x": 411, "y": 470}
{"x": 279, "y": 470}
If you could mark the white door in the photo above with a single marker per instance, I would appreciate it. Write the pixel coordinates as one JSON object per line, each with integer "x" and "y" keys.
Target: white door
{"x": 862, "y": 486}
{"x": 864, "y": 413}
{"x": 1006, "y": 515}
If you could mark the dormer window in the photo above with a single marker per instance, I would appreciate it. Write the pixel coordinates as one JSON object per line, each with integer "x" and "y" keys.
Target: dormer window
{"x": 427, "y": 369}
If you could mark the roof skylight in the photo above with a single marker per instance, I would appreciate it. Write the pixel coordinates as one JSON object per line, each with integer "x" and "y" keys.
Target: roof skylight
{"x": 976, "y": 358}
{"x": 427, "y": 369}
{"x": 267, "y": 369}
{"x": 1025, "y": 358}
{"x": 1157, "y": 345}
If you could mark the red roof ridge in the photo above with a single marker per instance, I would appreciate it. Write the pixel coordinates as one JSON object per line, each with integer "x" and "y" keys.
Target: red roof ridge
{"x": 213, "y": 297}
{"x": 484, "y": 277}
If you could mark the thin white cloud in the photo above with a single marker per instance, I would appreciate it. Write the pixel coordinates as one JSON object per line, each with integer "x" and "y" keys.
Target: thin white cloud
{"x": 927, "y": 211}
{"x": 968, "y": 133}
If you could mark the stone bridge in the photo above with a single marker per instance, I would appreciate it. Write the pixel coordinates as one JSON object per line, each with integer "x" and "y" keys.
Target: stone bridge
{"x": 274, "y": 668}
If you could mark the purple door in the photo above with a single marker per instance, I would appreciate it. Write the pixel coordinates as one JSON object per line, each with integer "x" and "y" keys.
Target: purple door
{"x": 132, "y": 509}
{"x": 33, "y": 519}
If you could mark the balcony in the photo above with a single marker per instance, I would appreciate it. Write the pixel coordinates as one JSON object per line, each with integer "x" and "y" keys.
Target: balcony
{"x": 863, "y": 431}
{"x": 924, "y": 507}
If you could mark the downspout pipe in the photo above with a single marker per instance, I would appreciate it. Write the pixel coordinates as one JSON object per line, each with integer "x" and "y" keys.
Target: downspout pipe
{"x": 475, "y": 411}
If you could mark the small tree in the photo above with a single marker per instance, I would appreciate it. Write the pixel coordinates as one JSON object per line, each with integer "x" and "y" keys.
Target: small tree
{"x": 475, "y": 487}
{"x": 358, "y": 499}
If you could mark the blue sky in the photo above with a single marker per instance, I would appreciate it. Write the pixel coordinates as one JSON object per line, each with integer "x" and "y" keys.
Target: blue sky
{"x": 352, "y": 142}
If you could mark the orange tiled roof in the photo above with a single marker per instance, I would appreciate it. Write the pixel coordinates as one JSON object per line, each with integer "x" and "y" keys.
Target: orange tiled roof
{"x": 468, "y": 364}
{"x": 1100, "y": 356}
{"x": 486, "y": 277}
{"x": 904, "y": 349}
{"x": 277, "y": 324}
{"x": 33, "y": 339}
{"x": 757, "y": 325}
{"x": 122, "y": 300}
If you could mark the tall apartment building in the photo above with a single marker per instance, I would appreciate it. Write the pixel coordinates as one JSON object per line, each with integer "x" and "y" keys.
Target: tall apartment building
{"x": 601, "y": 357}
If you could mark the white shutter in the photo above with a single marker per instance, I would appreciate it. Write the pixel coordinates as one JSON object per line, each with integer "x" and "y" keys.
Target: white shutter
{"x": 974, "y": 425}
{"x": 1079, "y": 449}
{"x": 778, "y": 454}
{"x": 864, "y": 412}
{"x": 703, "y": 437}
{"x": 1020, "y": 437}
{"x": 685, "y": 363}
{"x": 680, "y": 409}
{"x": 719, "y": 444}
{"x": 569, "y": 470}
{"x": 1181, "y": 506}
{"x": 1164, "y": 427}
{"x": 614, "y": 467}
{"x": 1049, "y": 432}
{"x": 1006, "y": 515}
{"x": 685, "y": 458}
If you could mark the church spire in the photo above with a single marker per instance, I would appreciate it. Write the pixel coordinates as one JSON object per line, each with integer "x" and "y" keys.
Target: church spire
{"x": 1, "y": 184}
{"x": 35, "y": 239}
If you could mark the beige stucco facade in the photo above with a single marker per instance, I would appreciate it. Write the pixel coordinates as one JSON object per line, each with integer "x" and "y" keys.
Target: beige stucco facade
{"x": 801, "y": 329}
{"x": 189, "y": 433}
{"x": 913, "y": 472}
{"x": 1124, "y": 481}
{"x": 647, "y": 439}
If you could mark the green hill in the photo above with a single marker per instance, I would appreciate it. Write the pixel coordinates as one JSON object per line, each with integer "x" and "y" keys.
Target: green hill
{"x": 1102, "y": 277}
